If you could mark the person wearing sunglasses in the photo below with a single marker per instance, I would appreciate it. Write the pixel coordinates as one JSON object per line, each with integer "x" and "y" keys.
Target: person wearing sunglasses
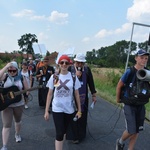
{"x": 10, "y": 76}
{"x": 62, "y": 101}
{"x": 77, "y": 130}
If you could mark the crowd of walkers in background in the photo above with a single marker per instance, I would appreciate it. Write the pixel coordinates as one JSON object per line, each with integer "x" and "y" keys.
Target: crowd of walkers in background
{"x": 63, "y": 91}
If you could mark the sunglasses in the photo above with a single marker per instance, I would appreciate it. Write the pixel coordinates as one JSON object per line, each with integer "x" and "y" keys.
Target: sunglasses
{"x": 79, "y": 62}
{"x": 64, "y": 62}
{"x": 14, "y": 71}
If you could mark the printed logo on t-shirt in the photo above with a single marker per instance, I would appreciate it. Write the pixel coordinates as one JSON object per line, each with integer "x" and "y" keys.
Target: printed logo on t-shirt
{"x": 62, "y": 89}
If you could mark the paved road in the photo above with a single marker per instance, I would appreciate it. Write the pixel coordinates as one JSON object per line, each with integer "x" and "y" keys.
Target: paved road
{"x": 105, "y": 125}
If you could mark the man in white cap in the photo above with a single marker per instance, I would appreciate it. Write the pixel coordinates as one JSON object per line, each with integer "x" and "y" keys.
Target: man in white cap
{"x": 78, "y": 130}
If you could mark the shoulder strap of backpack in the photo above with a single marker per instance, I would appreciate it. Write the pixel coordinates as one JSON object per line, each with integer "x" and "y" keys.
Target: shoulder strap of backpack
{"x": 2, "y": 82}
{"x": 131, "y": 75}
{"x": 20, "y": 77}
{"x": 6, "y": 78}
{"x": 29, "y": 73}
{"x": 74, "y": 80}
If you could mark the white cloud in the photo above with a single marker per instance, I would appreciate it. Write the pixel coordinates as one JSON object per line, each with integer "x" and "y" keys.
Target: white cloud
{"x": 103, "y": 33}
{"x": 55, "y": 17}
{"x": 29, "y": 14}
{"x": 86, "y": 39}
{"x": 59, "y": 18}
{"x": 24, "y": 13}
{"x": 124, "y": 28}
{"x": 139, "y": 12}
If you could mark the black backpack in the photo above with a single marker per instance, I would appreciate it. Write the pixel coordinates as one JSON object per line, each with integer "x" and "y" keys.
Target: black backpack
{"x": 137, "y": 91}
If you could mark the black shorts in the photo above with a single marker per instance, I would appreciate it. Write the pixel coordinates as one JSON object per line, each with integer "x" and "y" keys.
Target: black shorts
{"x": 61, "y": 121}
{"x": 134, "y": 118}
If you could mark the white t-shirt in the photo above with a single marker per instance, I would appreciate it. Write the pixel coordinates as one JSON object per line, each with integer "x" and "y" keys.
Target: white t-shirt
{"x": 27, "y": 76}
{"x": 63, "y": 99}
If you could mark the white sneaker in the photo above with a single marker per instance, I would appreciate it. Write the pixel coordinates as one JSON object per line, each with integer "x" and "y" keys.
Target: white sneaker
{"x": 18, "y": 138}
{"x": 4, "y": 148}
{"x": 26, "y": 106}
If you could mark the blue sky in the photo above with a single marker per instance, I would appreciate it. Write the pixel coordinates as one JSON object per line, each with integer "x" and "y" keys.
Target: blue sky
{"x": 80, "y": 24}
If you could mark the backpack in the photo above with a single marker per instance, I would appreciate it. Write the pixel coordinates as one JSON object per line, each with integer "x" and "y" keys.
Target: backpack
{"x": 137, "y": 91}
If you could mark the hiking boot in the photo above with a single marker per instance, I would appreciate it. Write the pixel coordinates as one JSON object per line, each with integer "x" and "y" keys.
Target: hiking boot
{"x": 119, "y": 146}
{"x": 18, "y": 138}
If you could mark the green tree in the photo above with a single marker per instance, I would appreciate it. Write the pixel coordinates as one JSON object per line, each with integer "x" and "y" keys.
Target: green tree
{"x": 26, "y": 41}
{"x": 101, "y": 53}
{"x": 143, "y": 45}
{"x": 89, "y": 57}
{"x": 111, "y": 56}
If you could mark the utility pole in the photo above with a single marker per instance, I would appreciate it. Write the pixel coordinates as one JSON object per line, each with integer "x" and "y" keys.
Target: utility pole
{"x": 149, "y": 43}
{"x": 137, "y": 24}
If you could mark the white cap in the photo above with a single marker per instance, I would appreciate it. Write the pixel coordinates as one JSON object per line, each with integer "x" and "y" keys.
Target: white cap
{"x": 80, "y": 57}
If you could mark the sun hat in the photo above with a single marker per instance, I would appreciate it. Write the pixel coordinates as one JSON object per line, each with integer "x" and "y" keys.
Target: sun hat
{"x": 64, "y": 57}
{"x": 80, "y": 57}
{"x": 142, "y": 52}
{"x": 14, "y": 64}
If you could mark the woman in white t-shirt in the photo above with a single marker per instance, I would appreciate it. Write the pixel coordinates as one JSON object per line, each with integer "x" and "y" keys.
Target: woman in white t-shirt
{"x": 63, "y": 100}
{"x": 28, "y": 75}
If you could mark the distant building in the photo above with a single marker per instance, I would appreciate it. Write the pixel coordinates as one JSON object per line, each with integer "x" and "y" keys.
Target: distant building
{"x": 15, "y": 55}
{"x": 52, "y": 56}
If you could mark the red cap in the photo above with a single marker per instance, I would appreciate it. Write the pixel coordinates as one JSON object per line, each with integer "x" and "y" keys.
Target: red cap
{"x": 64, "y": 57}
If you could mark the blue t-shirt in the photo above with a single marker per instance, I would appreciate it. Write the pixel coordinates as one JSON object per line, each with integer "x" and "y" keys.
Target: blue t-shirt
{"x": 125, "y": 78}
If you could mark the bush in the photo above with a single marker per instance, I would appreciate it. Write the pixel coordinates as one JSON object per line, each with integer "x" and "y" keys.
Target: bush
{"x": 1, "y": 64}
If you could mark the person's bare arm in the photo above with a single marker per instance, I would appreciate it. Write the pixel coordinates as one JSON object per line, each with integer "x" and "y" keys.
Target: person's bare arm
{"x": 77, "y": 98}
{"x": 118, "y": 90}
{"x": 48, "y": 102}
